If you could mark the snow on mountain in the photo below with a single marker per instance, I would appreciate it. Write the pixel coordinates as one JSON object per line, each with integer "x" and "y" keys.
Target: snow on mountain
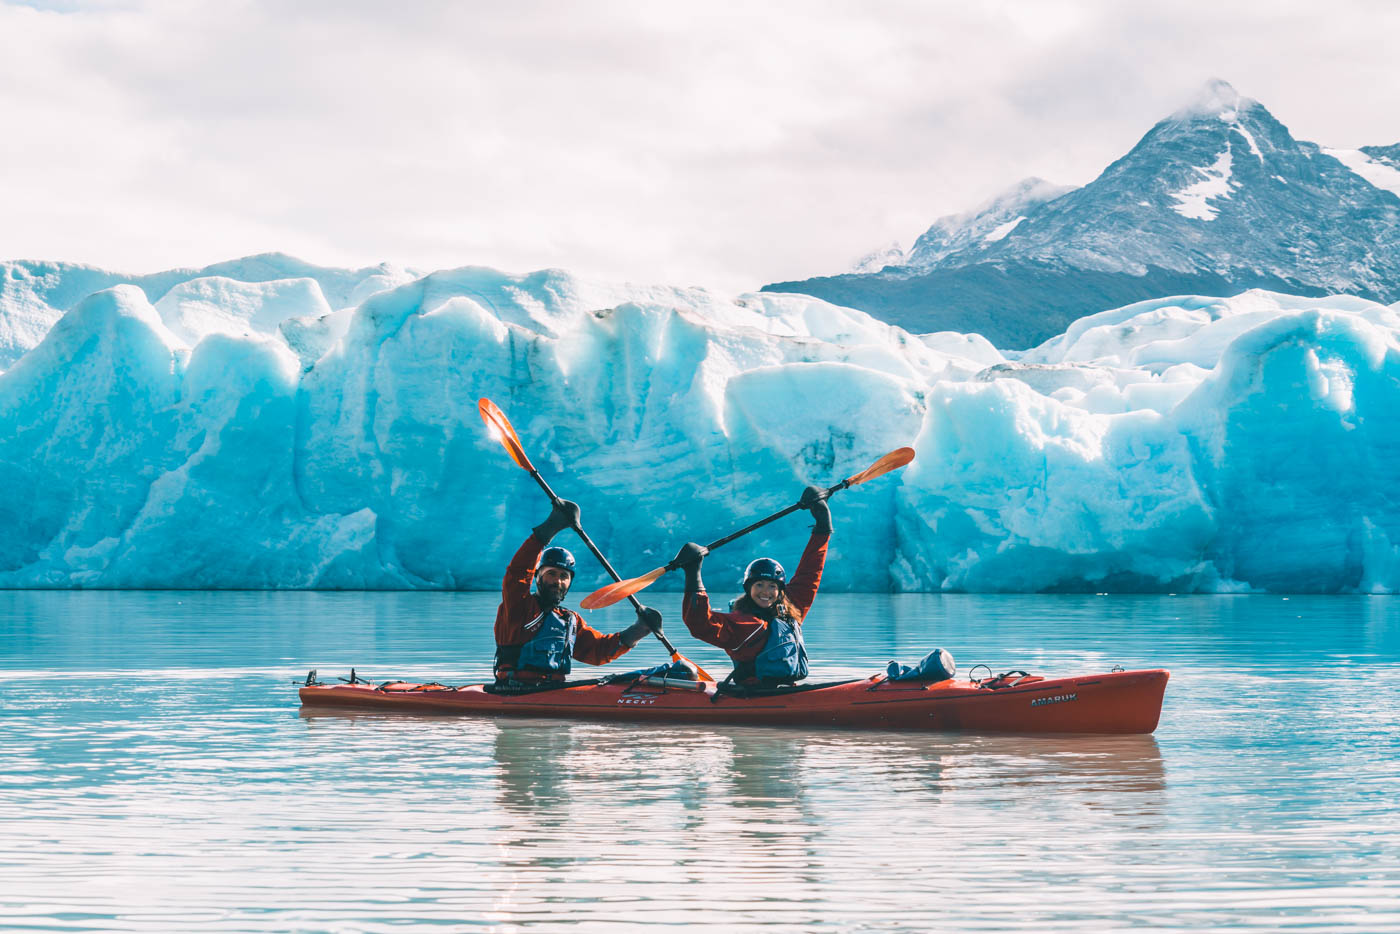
{"x": 1216, "y": 199}
{"x": 891, "y": 254}
{"x": 1381, "y": 171}
{"x": 987, "y": 223}
{"x": 1178, "y": 444}
{"x": 1193, "y": 201}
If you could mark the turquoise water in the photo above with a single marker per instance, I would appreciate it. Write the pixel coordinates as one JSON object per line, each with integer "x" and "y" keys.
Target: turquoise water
{"x": 159, "y": 776}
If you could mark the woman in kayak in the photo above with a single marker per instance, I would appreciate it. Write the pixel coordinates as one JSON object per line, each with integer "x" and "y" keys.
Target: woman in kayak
{"x": 762, "y": 632}
{"x": 536, "y": 637}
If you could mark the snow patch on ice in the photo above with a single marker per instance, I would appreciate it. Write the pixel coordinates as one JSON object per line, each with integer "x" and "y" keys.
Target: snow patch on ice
{"x": 215, "y": 305}
{"x": 226, "y": 297}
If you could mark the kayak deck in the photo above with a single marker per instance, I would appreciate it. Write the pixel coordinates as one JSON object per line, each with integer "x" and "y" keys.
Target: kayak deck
{"x": 1113, "y": 702}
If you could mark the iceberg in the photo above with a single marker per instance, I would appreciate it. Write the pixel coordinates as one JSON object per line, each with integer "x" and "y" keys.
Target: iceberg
{"x": 242, "y": 429}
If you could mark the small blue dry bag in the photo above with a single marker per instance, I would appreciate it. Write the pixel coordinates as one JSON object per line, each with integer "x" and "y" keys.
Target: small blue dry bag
{"x": 937, "y": 665}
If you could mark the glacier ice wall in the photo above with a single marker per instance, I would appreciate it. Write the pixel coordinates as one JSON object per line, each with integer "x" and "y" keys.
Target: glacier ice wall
{"x": 228, "y": 296}
{"x": 242, "y": 433}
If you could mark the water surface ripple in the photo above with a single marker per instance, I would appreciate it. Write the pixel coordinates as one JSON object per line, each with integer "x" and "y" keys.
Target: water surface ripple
{"x": 159, "y": 776}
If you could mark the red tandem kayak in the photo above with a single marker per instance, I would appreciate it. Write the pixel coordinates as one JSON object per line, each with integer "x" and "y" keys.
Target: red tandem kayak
{"x": 1116, "y": 702}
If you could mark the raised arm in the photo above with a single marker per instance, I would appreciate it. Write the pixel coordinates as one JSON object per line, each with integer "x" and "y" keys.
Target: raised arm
{"x": 520, "y": 573}
{"x": 718, "y": 629}
{"x": 802, "y": 589}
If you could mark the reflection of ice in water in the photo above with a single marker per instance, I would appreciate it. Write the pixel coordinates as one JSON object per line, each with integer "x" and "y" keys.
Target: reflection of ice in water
{"x": 146, "y": 796}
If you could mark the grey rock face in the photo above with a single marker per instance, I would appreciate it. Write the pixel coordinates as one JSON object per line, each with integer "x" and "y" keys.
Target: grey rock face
{"x": 1390, "y": 155}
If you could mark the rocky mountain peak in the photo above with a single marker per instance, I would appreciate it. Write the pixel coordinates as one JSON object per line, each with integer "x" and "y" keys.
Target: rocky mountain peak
{"x": 1216, "y": 98}
{"x": 989, "y": 222}
{"x": 1217, "y": 198}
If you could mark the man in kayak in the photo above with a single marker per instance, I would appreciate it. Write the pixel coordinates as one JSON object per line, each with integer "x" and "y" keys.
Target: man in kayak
{"x": 762, "y": 632}
{"x": 536, "y": 637}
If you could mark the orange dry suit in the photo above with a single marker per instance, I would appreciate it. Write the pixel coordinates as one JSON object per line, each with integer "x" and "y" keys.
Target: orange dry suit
{"x": 763, "y": 651}
{"x": 537, "y": 643}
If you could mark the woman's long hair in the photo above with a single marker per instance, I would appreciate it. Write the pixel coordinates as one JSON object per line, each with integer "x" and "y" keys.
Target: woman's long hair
{"x": 781, "y": 607}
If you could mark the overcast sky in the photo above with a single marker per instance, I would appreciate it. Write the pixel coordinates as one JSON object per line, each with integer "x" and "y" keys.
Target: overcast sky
{"x": 688, "y": 143}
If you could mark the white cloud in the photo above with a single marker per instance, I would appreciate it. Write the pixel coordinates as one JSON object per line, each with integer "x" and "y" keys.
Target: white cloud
{"x": 696, "y": 143}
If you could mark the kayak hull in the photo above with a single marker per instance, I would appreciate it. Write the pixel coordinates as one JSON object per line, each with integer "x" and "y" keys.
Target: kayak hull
{"x": 1116, "y": 702}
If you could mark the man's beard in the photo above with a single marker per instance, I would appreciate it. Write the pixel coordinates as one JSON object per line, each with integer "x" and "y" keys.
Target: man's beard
{"x": 551, "y": 594}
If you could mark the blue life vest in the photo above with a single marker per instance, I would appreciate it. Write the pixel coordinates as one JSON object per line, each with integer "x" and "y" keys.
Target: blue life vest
{"x": 784, "y": 657}
{"x": 551, "y": 648}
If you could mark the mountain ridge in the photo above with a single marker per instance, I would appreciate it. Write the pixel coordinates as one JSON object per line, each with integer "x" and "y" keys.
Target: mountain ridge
{"x": 1217, "y": 198}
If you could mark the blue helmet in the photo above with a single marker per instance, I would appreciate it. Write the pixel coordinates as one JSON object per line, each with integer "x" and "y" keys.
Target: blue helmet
{"x": 764, "y": 569}
{"x": 556, "y": 557}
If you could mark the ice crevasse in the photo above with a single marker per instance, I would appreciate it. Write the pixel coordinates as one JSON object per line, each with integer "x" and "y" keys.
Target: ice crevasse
{"x": 247, "y": 434}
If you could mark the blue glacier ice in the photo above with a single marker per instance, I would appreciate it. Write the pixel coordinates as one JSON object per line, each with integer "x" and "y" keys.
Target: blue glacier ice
{"x": 246, "y": 430}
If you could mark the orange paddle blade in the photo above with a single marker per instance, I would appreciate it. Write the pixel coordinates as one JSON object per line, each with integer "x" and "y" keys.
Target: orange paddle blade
{"x": 704, "y": 675}
{"x": 500, "y": 428}
{"x": 891, "y": 461}
{"x": 607, "y": 596}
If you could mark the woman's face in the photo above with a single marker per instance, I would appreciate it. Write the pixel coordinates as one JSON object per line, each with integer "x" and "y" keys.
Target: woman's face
{"x": 764, "y": 593}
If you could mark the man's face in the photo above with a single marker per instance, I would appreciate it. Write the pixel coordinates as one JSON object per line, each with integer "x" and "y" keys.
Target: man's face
{"x": 553, "y": 583}
{"x": 764, "y": 593}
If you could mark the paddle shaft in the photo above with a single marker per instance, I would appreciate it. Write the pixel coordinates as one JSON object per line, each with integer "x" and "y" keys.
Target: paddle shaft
{"x": 636, "y": 604}
{"x": 762, "y": 522}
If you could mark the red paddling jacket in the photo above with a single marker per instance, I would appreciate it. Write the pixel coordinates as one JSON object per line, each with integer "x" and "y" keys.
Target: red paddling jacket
{"x": 521, "y": 620}
{"x": 744, "y": 635}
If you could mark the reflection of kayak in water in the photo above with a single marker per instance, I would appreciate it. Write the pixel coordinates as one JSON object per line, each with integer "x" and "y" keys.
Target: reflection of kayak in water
{"x": 1116, "y": 702}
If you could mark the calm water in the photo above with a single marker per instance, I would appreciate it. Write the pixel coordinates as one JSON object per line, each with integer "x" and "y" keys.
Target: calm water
{"x": 159, "y": 776}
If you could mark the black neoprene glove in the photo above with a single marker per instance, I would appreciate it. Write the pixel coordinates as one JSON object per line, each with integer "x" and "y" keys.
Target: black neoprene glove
{"x": 689, "y": 557}
{"x": 813, "y": 501}
{"x": 563, "y": 516}
{"x": 648, "y": 621}
{"x": 650, "y": 618}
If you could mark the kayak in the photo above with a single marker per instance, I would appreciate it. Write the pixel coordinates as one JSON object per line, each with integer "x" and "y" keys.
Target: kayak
{"x": 1015, "y": 702}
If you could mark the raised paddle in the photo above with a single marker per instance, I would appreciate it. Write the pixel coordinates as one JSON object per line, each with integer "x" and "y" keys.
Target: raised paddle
{"x": 607, "y": 596}
{"x": 500, "y": 428}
